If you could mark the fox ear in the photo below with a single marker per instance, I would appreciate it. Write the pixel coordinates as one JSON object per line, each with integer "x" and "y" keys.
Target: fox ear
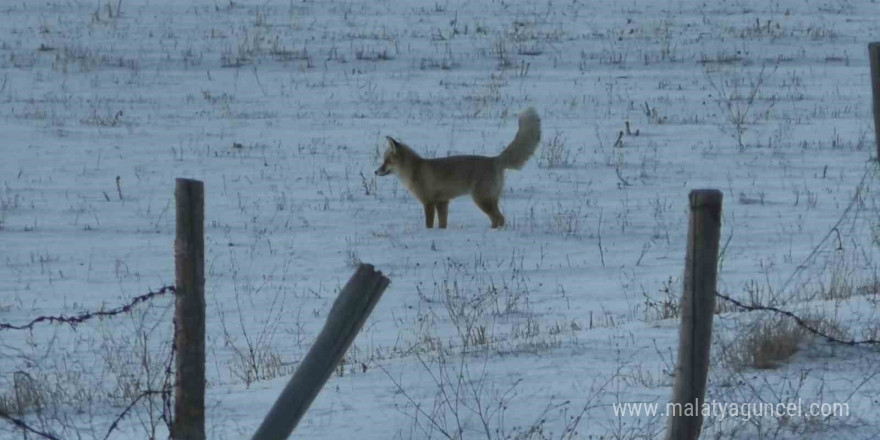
{"x": 392, "y": 143}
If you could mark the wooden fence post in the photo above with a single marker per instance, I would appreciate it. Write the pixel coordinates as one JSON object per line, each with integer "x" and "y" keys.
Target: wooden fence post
{"x": 697, "y": 309}
{"x": 189, "y": 313}
{"x": 874, "y": 55}
{"x": 345, "y": 320}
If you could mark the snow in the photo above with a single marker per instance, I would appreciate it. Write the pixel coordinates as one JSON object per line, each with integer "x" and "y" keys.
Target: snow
{"x": 282, "y": 109}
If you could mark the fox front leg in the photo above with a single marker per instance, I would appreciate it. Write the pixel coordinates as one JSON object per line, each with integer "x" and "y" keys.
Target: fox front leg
{"x": 429, "y": 214}
{"x": 442, "y": 213}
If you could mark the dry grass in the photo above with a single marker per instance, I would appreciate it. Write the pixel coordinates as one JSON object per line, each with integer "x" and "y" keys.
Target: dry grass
{"x": 766, "y": 345}
{"x": 555, "y": 154}
{"x": 24, "y": 398}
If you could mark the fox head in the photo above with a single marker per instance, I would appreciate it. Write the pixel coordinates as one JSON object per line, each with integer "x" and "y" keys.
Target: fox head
{"x": 392, "y": 157}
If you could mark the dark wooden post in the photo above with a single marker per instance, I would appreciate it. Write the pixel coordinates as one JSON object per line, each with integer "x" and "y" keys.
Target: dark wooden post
{"x": 346, "y": 318}
{"x": 874, "y": 54}
{"x": 697, "y": 309}
{"x": 189, "y": 314}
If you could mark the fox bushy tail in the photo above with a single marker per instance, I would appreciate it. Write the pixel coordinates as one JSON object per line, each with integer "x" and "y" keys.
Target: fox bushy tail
{"x": 525, "y": 143}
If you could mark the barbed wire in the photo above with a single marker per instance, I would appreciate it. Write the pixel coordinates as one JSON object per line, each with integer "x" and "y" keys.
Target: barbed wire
{"x": 871, "y": 171}
{"x": 25, "y": 427}
{"x": 73, "y": 321}
{"x": 115, "y": 424}
{"x": 797, "y": 319}
{"x": 168, "y": 384}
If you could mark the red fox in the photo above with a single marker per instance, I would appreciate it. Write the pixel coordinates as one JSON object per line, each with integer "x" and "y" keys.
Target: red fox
{"x": 437, "y": 181}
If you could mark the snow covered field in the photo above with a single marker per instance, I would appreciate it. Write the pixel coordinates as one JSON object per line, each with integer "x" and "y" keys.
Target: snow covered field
{"x": 534, "y": 331}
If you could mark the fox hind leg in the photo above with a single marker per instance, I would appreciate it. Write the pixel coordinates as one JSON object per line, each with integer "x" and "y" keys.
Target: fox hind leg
{"x": 442, "y": 213}
{"x": 429, "y": 214}
{"x": 490, "y": 207}
{"x": 499, "y": 218}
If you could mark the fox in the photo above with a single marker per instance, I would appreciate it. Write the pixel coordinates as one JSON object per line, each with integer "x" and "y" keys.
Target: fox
{"x": 434, "y": 182}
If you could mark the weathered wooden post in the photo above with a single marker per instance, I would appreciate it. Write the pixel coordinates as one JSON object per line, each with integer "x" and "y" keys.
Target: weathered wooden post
{"x": 346, "y": 318}
{"x": 189, "y": 313}
{"x": 874, "y": 55}
{"x": 697, "y": 309}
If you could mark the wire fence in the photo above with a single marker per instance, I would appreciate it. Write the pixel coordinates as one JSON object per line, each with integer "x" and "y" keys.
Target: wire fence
{"x": 168, "y": 381}
{"x": 73, "y": 321}
{"x": 802, "y": 322}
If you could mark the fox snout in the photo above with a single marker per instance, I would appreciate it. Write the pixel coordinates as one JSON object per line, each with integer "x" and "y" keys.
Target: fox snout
{"x": 383, "y": 171}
